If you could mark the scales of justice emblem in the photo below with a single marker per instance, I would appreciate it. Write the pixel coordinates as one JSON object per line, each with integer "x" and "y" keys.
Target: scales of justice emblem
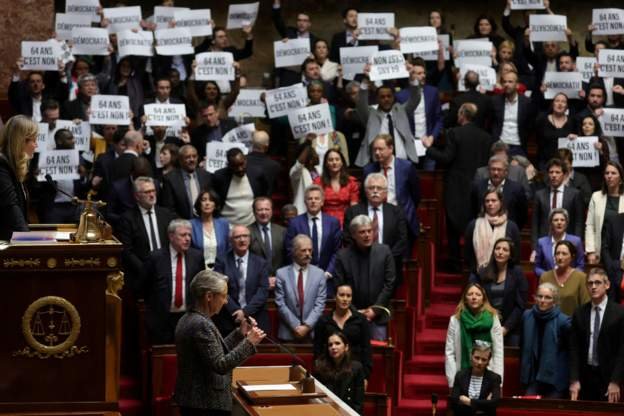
{"x": 51, "y": 326}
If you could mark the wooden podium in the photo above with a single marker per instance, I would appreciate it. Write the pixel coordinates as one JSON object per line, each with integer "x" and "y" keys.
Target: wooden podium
{"x": 61, "y": 328}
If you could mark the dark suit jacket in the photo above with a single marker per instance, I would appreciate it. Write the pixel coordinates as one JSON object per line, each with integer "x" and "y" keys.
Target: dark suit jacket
{"x": 223, "y": 178}
{"x": 200, "y": 135}
{"x": 121, "y": 199}
{"x": 289, "y": 32}
{"x": 572, "y": 201}
{"x": 135, "y": 239}
{"x": 610, "y": 343}
{"x": 514, "y": 198}
{"x": 331, "y": 240}
{"x": 265, "y": 165}
{"x": 21, "y": 101}
{"x": 377, "y": 286}
{"x": 12, "y": 202}
{"x": 74, "y": 109}
{"x": 158, "y": 287}
{"x": 491, "y": 385}
{"x": 175, "y": 196}
{"x": 433, "y": 112}
{"x": 278, "y": 234}
{"x": 339, "y": 40}
{"x": 611, "y": 248}
{"x": 526, "y": 118}
{"x": 539, "y": 61}
{"x": 407, "y": 190}
{"x": 103, "y": 168}
{"x": 467, "y": 148}
{"x": 484, "y": 108}
{"x": 122, "y": 166}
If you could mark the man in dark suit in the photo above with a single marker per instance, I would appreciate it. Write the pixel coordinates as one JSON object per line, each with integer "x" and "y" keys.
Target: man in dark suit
{"x": 403, "y": 182}
{"x": 388, "y": 220}
{"x": 267, "y": 237}
{"x": 548, "y": 55}
{"x": 103, "y": 166}
{"x": 238, "y": 186}
{"x": 467, "y": 148}
{"x": 483, "y": 102}
{"x": 182, "y": 185}
{"x": 611, "y": 252}
{"x": 259, "y": 161}
{"x": 26, "y": 96}
{"x": 514, "y": 196}
{"x": 597, "y": 344}
{"x": 369, "y": 268}
{"x": 248, "y": 283}
{"x": 515, "y": 173}
{"x": 121, "y": 196}
{"x": 211, "y": 129}
{"x": 77, "y": 109}
{"x": 133, "y": 148}
{"x": 515, "y": 128}
{"x": 348, "y": 37}
{"x": 301, "y": 31}
{"x": 142, "y": 230}
{"x": 557, "y": 195}
{"x": 167, "y": 278}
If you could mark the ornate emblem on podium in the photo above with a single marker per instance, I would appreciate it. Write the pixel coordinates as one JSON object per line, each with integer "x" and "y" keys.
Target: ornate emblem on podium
{"x": 51, "y": 326}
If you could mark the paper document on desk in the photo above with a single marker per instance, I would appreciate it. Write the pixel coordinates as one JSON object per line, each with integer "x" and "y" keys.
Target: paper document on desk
{"x": 270, "y": 387}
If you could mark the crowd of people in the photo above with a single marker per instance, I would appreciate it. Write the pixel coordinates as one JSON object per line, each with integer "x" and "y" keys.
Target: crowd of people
{"x": 345, "y": 232}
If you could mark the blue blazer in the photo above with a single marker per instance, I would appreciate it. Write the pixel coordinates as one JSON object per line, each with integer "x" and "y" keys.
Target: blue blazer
{"x": 544, "y": 260}
{"x": 331, "y": 240}
{"x": 222, "y": 231}
{"x": 407, "y": 190}
{"x": 433, "y": 111}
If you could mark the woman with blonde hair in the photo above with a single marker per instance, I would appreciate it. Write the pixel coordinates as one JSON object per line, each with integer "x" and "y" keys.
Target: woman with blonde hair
{"x": 18, "y": 142}
{"x": 474, "y": 319}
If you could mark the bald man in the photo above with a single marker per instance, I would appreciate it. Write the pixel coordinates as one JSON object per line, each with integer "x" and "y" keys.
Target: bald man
{"x": 259, "y": 161}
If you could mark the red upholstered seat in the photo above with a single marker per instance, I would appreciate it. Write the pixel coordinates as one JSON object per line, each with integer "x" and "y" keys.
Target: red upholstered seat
{"x": 164, "y": 372}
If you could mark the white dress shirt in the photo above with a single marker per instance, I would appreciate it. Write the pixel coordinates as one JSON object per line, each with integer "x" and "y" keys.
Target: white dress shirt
{"x": 559, "y": 202}
{"x": 242, "y": 299}
{"x": 592, "y": 316}
{"x": 399, "y": 146}
{"x": 146, "y": 223}
{"x": 304, "y": 274}
{"x": 319, "y": 229}
{"x": 371, "y": 214}
{"x": 420, "y": 119}
{"x": 510, "y": 133}
{"x": 391, "y": 178}
{"x": 174, "y": 262}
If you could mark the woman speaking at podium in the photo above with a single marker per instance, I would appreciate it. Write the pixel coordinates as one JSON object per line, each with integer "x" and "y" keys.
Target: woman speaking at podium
{"x": 205, "y": 359}
{"x": 18, "y": 142}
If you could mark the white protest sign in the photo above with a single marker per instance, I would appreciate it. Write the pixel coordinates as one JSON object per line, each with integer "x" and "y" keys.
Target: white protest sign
{"x": 569, "y": 83}
{"x": 240, "y": 15}
{"x": 40, "y": 56}
{"x": 139, "y": 43}
{"x": 90, "y": 41}
{"x": 110, "y": 109}
{"x": 473, "y": 52}
{"x": 433, "y": 55}
{"x": 83, "y": 7}
{"x": 313, "y": 119}
{"x": 60, "y": 164}
{"x": 164, "y": 14}
{"x": 292, "y": 52}
{"x": 487, "y": 76}
{"x": 281, "y": 101}
{"x": 81, "y": 132}
{"x": 176, "y": 41}
{"x": 584, "y": 153}
{"x": 418, "y": 39}
{"x": 375, "y": 26}
{"x": 608, "y": 21}
{"x": 612, "y": 122}
{"x": 213, "y": 66}
{"x": 354, "y": 59}
{"x": 548, "y": 27}
{"x": 527, "y": 5}
{"x": 585, "y": 65}
{"x": 387, "y": 65}
{"x": 216, "y": 154}
{"x": 248, "y": 104}
{"x": 165, "y": 114}
{"x": 64, "y": 23}
{"x": 122, "y": 18}
{"x": 42, "y": 136}
{"x": 197, "y": 21}
{"x": 611, "y": 63}
{"x": 241, "y": 134}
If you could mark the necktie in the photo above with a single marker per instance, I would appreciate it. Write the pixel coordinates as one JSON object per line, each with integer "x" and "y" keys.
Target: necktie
{"x": 385, "y": 171}
{"x": 375, "y": 225}
{"x": 553, "y": 204}
{"x": 153, "y": 239}
{"x": 300, "y": 292}
{"x": 178, "y": 300}
{"x": 242, "y": 300}
{"x": 193, "y": 190}
{"x": 595, "y": 334}
{"x": 315, "y": 247}
{"x": 268, "y": 252}
{"x": 390, "y": 126}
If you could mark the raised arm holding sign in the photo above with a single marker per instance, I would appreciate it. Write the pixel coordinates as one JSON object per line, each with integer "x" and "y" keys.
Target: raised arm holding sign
{"x": 40, "y": 56}
{"x": 608, "y": 21}
{"x": 281, "y": 101}
{"x": 140, "y": 43}
{"x": 387, "y": 65}
{"x": 64, "y": 23}
{"x": 569, "y": 83}
{"x": 473, "y": 52}
{"x": 527, "y": 5}
{"x": 487, "y": 76}
{"x": 548, "y": 28}
{"x": 292, "y": 52}
{"x": 163, "y": 15}
{"x": 354, "y": 58}
{"x": 585, "y": 65}
{"x": 584, "y": 152}
{"x": 216, "y": 154}
{"x": 122, "y": 18}
{"x": 87, "y": 8}
{"x": 611, "y": 63}
{"x": 165, "y": 114}
{"x": 241, "y": 15}
{"x": 418, "y": 39}
{"x": 60, "y": 164}
{"x": 197, "y": 21}
{"x": 612, "y": 122}
{"x": 313, "y": 119}
{"x": 248, "y": 104}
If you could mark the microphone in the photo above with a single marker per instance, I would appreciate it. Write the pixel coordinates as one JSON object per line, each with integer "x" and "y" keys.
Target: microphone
{"x": 434, "y": 403}
{"x": 48, "y": 179}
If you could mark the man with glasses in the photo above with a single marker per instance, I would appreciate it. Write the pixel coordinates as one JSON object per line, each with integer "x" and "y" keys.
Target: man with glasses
{"x": 597, "y": 344}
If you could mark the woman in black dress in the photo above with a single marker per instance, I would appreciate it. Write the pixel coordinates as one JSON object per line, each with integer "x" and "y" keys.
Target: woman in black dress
{"x": 551, "y": 126}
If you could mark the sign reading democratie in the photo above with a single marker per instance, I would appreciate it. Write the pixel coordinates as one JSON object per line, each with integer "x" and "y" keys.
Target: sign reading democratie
{"x": 240, "y": 15}
{"x": 281, "y": 101}
{"x": 313, "y": 119}
{"x": 548, "y": 27}
{"x": 176, "y": 41}
{"x": 241, "y": 134}
{"x": 163, "y": 15}
{"x": 387, "y": 65}
{"x": 527, "y": 4}
{"x": 110, "y": 109}
{"x": 612, "y": 122}
{"x": 122, "y": 18}
{"x": 213, "y": 66}
{"x": 569, "y": 83}
{"x": 90, "y": 41}
{"x": 197, "y": 21}
{"x": 165, "y": 114}
{"x": 60, "y": 164}
{"x": 40, "y": 56}
{"x": 354, "y": 59}
{"x": 64, "y": 23}
{"x": 292, "y": 52}
{"x": 585, "y": 65}
{"x": 81, "y": 132}
{"x": 83, "y": 7}
{"x": 487, "y": 76}
{"x": 584, "y": 152}
{"x": 611, "y": 63}
{"x": 139, "y": 43}
{"x": 608, "y": 21}
{"x": 375, "y": 26}
{"x": 216, "y": 154}
{"x": 248, "y": 104}
{"x": 433, "y": 55}
{"x": 418, "y": 39}
{"x": 473, "y": 52}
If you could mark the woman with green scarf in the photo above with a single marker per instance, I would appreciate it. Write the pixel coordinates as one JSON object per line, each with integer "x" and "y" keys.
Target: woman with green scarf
{"x": 474, "y": 319}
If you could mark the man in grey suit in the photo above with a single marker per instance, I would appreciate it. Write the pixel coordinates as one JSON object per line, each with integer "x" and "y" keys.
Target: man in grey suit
{"x": 300, "y": 293}
{"x": 515, "y": 173}
{"x": 369, "y": 268}
{"x": 267, "y": 237}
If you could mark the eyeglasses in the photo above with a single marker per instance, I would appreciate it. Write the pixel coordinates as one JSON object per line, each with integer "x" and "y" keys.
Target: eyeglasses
{"x": 591, "y": 283}
{"x": 240, "y": 237}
